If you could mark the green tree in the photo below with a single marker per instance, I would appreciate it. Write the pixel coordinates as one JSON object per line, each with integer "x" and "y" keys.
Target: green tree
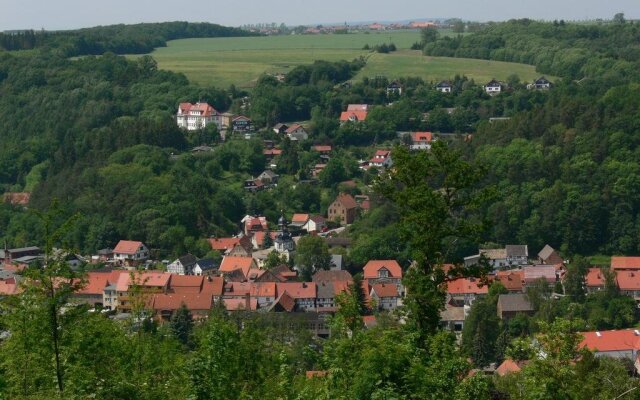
{"x": 182, "y": 324}
{"x": 312, "y": 254}
{"x": 275, "y": 259}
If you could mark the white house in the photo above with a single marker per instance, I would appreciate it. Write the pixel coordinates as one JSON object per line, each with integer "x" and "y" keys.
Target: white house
{"x": 444, "y": 87}
{"x": 421, "y": 140}
{"x": 493, "y": 87}
{"x": 386, "y": 296}
{"x": 197, "y": 116}
{"x": 130, "y": 252}
{"x": 541, "y": 83}
{"x": 183, "y": 265}
{"x": 297, "y": 132}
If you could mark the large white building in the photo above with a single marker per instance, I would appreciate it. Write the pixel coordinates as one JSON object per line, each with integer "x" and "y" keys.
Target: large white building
{"x": 197, "y": 116}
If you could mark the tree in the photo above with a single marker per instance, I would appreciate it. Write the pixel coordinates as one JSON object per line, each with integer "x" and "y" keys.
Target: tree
{"x": 274, "y": 259}
{"x": 182, "y": 324}
{"x": 312, "y": 254}
{"x": 429, "y": 35}
{"x": 619, "y": 18}
{"x": 438, "y": 200}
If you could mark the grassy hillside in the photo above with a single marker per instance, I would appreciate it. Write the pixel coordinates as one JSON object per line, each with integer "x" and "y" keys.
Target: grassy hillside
{"x": 239, "y": 61}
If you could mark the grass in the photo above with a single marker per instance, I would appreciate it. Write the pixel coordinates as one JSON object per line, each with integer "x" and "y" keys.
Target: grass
{"x": 600, "y": 259}
{"x": 240, "y": 61}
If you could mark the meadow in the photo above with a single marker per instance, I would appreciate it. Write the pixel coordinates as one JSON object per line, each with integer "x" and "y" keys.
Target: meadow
{"x": 240, "y": 61}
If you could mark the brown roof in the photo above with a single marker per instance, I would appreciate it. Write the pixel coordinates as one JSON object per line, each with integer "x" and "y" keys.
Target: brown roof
{"x": 285, "y": 301}
{"x": 194, "y": 302}
{"x": 466, "y": 286}
{"x": 17, "y": 198}
{"x": 346, "y": 200}
{"x": 146, "y": 279}
{"x": 511, "y": 280}
{"x": 127, "y": 247}
{"x": 298, "y": 290}
{"x": 186, "y": 283}
{"x": 618, "y": 262}
{"x": 384, "y": 290}
{"x": 230, "y": 263}
{"x": 223, "y": 244}
{"x": 594, "y": 278}
{"x": 239, "y": 304}
{"x": 300, "y": 218}
{"x": 353, "y": 115}
{"x": 509, "y": 366}
{"x": 331, "y": 276}
{"x": 263, "y": 289}
{"x": 95, "y": 283}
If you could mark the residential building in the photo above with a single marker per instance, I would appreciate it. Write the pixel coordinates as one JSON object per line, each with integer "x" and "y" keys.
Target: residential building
{"x": 254, "y": 185}
{"x": 512, "y": 280}
{"x": 303, "y": 294}
{"x": 510, "y": 366}
{"x": 205, "y": 267}
{"x": 354, "y": 113}
{"x": 452, "y": 318}
{"x": 130, "y": 252}
{"x": 332, "y": 276}
{"x": 536, "y": 272}
{"x": 594, "y": 280}
{"x": 493, "y": 87}
{"x": 444, "y": 87}
{"x": 517, "y": 254}
{"x": 268, "y": 177}
{"x": 197, "y": 116}
{"x": 326, "y": 294}
{"x": 421, "y": 140}
{"x": 343, "y": 209}
{"x": 264, "y": 292}
{"x": 297, "y": 132}
{"x": 254, "y": 224}
{"x": 394, "y": 89}
{"x": 548, "y": 255}
{"x": 183, "y": 265}
{"x": 146, "y": 283}
{"x": 541, "y": 83}
{"x": 382, "y": 271}
{"x": 280, "y": 128}
{"x": 615, "y": 343}
{"x": 464, "y": 291}
{"x": 385, "y": 296}
{"x": 620, "y": 263}
{"x": 315, "y": 223}
{"x": 164, "y": 306}
{"x": 241, "y": 124}
{"x": 510, "y": 305}
{"x": 629, "y": 283}
{"x": 243, "y": 264}
{"x": 381, "y": 159}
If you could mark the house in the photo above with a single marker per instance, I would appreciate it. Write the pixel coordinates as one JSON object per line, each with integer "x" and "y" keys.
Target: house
{"x": 510, "y": 366}
{"x": 264, "y": 292}
{"x": 343, "y": 209}
{"x": 226, "y": 120}
{"x": 205, "y": 267}
{"x": 536, "y": 272}
{"x": 17, "y": 198}
{"x": 326, "y": 294}
{"x": 280, "y": 128}
{"x": 299, "y": 220}
{"x": 381, "y": 159}
{"x": 517, "y": 255}
{"x": 315, "y": 223}
{"x": 130, "y": 252}
{"x": 254, "y": 185}
{"x": 197, "y": 116}
{"x": 164, "y": 306}
{"x": 354, "y": 113}
{"x": 594, "y": 280}
{"x": 183, "y": 265}
{"x": 10, "y": 286}
{"x": 303, "y": 294}
{"x": 548, "y": 255}
{"x": 269, "y": 154}
{"x": 92, "y": 293}
{"x": 201, "y": 149}
{"x": 385, "y": 296}
{"x": 464, "y": 291}
{"x": 452, "y": 318}
{"x": 332, "y": 276}
{"x": 225, "y": 245}
{"x": 497, "y": 258}
{"x": 512, "y": 280}
{"x": 421, "y": 140}
{"x": 444, "y": 87}
{"x": 322, "y": 149}
{"x": 510, "y": 305}
{"x": 615, "y": 343}
{"x": 394, "y": 89}
{"x": 146, "y": 283}
{"x": 8, "y": 256}
{"x": 297, "y": 132}
{"x": 254, "y": 224}
{"x": 231, "y": 263}
{"x": 317, "y": 169}
{"x": 268, "y": 177}
{"x": 382, "y": 271}
{"x": 241, "y": 124}
{"x": 619, "y": 263}
{"x": 336, "y": 262}
{"x": 493, "y": 87}
{"x": 629, "y": 283}
{"x": 541, "y": 83}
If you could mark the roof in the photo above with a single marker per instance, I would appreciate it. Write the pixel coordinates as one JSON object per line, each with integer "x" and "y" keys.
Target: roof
{"x": 421, "y": 136}
{"x": 511, "y": 280}
{"x": 517, "y": 250}
{"x": 467, "y": 286}
{"x": 384, "y": 290}
{"x": 17, "y": 198}
{"x": 509, "y": 366}
{"x": 127, "y": 247}
{"x": 321, "y": 148}
{"x": 332, "y": 275}
{"x": 618, "y": 262}
{"x": 294, "y": 127}
{"x": 494, "y": 254}
{"x": 452, "y": 313}
{"x": 207, "y": 264}
{"x": 188, "y": 259}
{"x": 213, "y": 285}
{"x": 193, "y": 301}
{"x": 444, "y": 84}
{"x": 382, "y": 153}
{"x": 346, "y": 200}
{"x": 353, "y": 115}
{"x": 615, "y": 340}
{"x": 9, "y": 287}
{"x": 515, "y": 302}
{"x": 230, "y": 263}
{"x": 240, "y": 304}
{"x": 241, "y": 118}
{"x": 493, "y": 83}
{"x": 532, "y": 273}
{"x": 358, "y": 107}
{"x": 369, "y": 321}
{"x": 316, "y": 374}
{"x": 263, "y": 289}
{"x": 272, "y": 152}
{"x": 205, "y": 109}
{"x": 146, "y": 278}
{"x": 298, "y": 290}
{"x": 300, "y": 218}
{"x": 223, "y": 244}
{"x": 186, "y": 283}
{"x": 628, "y": 280}
{"x": 95, "y": 283}
{"x": 594, "y": 278}
{"x": 373, "y": 266}
{"x": 285, "y": 301}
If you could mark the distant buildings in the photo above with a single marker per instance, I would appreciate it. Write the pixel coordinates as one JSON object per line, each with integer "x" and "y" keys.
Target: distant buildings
{"x": 197, "y": 116}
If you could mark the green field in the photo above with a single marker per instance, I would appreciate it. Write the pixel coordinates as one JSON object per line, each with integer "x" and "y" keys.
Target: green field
{"x": 240, "y": 61}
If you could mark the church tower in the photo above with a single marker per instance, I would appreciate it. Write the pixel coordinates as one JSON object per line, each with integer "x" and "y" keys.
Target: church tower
{"x": 284, "y": 242}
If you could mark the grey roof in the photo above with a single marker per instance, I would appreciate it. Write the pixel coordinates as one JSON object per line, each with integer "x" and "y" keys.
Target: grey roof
{"x": 269, "y": 173}
{"x": 325, "y": 290}
{"x": 28, "y": 259}
{"x": 31, "y": 249}
{"x": 514, "y": 302}
{"x": 336, "y": 262}
{"x": 188, "y": 259}
{"x": 105, "y": 252}
{"x": 207, "y": 264}
{"x": 4, "y": 275}
{"x": 330, "y": 276}
{"x": 517, "y": 250}
{"x": 546, "y": 252}
{"x": 452, "y": 313}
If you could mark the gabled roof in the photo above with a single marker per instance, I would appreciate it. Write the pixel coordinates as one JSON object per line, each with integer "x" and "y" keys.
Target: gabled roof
{"x": 373, "y": 266}
{"x": 358, "y": 107}
{"x": 213, "y": 285}
{"x": 382, "y": 290}
{"x": 284, "y": 302}
{"x": 443, "y": 84}
{"x": 549, "y": 255}
{"x": 263, "y": 289}
{"x": 127, "y": 247}
{"x": 207, "y": 264}
{"x": 515, "y": 302}
{"x": 193, "y": 301}
{"x": 293, "y": 128}
{"x": 299, "y": 218}
{"x": 517, "y": 250}
{"x": 332, "y": 276}
{"x": 230, "y": 263}
{"x": 594, "y": 278}
{"x": 223, "y": 244}
{"x": 142, "y": 278}
{"x": 628, "y": 280}
{"x": 509, "y": 366}
{"x": 353, "y": 116}
{"x": 241, "y": 118}
{"x": 625, "y": 263}
{"x": 186, "y": 283}
{"x": 494, "y": 254}
{"x": 493, "y": 83}
{"x": 204, "y": 108}
{"x": 533, "y": 273}
{"x": 346, "y": 200}
{"x": 467, "y": 286}
{"x": 188, "y": 259}
{"x": 321, "y": 148}
{"x": 421, "y": 136}
{"x": 298, "y": 290}
{"x": 614, "y": 340}
{"x": 96, "y": 282}
{"x": 511, "y": 280}
{"x": 238, "y": 304}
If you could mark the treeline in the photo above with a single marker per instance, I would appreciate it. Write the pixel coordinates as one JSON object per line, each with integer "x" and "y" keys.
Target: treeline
{"x": 119, "y": 39}
{"x": 573, "y": 51}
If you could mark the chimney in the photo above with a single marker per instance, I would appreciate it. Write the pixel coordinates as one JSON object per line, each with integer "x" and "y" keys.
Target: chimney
{"x": 598, "y": 334}
{"x": 248, "y": 302}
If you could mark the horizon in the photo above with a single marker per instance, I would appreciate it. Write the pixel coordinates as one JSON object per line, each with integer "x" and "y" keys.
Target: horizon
{"x": 53, "y": 16}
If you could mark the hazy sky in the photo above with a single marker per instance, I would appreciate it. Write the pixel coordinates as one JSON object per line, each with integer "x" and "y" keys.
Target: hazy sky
{"x": 65, "y": 14}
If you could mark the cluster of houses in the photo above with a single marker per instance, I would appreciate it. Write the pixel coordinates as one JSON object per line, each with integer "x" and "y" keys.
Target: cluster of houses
{"x": 198, "y": 116}
{"x": 494, "y": 86}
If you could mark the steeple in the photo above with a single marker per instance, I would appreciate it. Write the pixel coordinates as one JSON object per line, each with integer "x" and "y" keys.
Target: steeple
{"x": 284, "y": 242}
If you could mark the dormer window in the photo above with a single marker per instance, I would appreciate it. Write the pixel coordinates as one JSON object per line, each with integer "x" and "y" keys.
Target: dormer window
{"x": 383, "y": 273}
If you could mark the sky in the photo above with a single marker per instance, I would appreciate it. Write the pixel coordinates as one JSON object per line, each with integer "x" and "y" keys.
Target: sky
{"x": 71, "y": 14}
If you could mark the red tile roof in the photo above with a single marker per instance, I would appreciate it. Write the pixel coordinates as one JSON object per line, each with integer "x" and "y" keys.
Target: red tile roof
{"x": 239, "y": 304}
{"x": 332, "y": 276}
{"x": 373, "y": 266}
{"x": 322, "y": 149}
{"x": 259, "y": 236}
{"x": 316, "y": 374}
{"x": 533, "y": 273}
{"x": 95, "y": 283}
{"x": 509, "y": 366}
{"x": 205, "y": 109}
{"x": 146, "y": 279}
{"x": 237, "y": 289}
{"x": 293, "y": 128}
{"x": 193, "y": 301}
{"x": 300, "y": 218}
{"x": 213, "y": 285}
{"x": 353, "y": 116}
{"x": 358, "y": 107}
{"x": 511, "y": 280}
{"x": 369, "y": 321}
{"x": 263, "y": 289}
{"x": 9, "y": 287}
{"x": 618, "y": 262}
{"x": 594, "y": 278}
{"x": 127, "y": 247}
{"x": 467, "y": 286}
{"x": 298, "y": 290}
{"x": 346, "y": 200}
{"x": 186, "y": 283}
{"x": 272, "y": 152}
{"x": 421, "y": 136}
{"x": 628, "y": 280}
{"x": 384, "y": 290}
{"x": 223, "y": 244}
{"x": 230, "y": 263}
{"x": 604, "y": 341}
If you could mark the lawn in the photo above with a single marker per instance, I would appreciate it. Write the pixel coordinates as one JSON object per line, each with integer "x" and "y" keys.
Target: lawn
{"x": 240, "y": 61}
